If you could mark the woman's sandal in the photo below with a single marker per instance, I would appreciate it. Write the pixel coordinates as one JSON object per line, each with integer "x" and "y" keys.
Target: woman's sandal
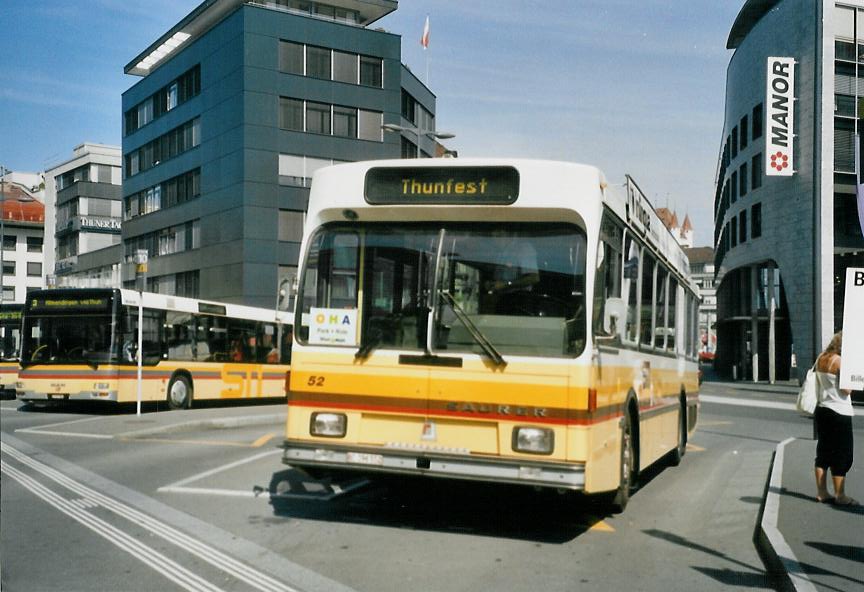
{"x": 826, "y": 500}
{"x": 849, "y": 502}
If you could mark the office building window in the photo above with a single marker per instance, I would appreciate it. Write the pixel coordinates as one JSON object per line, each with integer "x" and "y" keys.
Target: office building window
{"x": 344, "y": 122}
{"x": 176, "y": 92}
{"x": 34, "y": 244}
{"x": 8, "y": 293}
{"x": 758, "y": 115}
{"x": 734, "y": 142}
{"x": 742, "y": 227}
{"x": 742, "y": 180}
{"x": 345, "y": 67}
{"x": 34, "y": 269}
{"x": 756, "y": 172}
{"x": 291, "y": 114}
{"x": 756, "y": 220}
{"x": 177, "y": 141}
{"x": 318, "y": 118}
{"x": 742, "y": 128}
{"x": 369, "y": 125}
{"x": 291, "y": 225}
{"x": 291, "y": 57}
{"x": 9, "y": 242}
{"x": 409, "y": 148}
{"x": 298, "y": 170}
{"x": 318, "y": 62}
{"x": 371, "y": 71}
{"x": 733, "y": 231}
{"x": 734, "y": 187}
{"x": 8, "y": 268}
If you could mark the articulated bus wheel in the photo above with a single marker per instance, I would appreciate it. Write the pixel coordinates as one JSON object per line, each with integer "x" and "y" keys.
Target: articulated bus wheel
{"x": 179, "y": 392}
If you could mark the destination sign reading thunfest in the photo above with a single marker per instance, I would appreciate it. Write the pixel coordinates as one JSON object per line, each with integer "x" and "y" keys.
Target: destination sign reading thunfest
{"x": 442, "y": 185}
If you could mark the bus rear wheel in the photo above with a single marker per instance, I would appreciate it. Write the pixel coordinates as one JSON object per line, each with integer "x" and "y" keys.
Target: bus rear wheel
{"x": 628, "y": 462}
{"x": 179, "y": 392}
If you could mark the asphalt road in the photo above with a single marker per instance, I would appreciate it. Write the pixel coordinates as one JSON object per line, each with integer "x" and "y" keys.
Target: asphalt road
{"x": 108, "y": 501}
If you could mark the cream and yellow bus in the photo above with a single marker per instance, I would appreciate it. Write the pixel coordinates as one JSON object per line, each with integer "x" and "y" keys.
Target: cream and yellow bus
{"x": 82, "y": 345}
{"x": 10, "y": 340}
{"x": 507, "y": 321}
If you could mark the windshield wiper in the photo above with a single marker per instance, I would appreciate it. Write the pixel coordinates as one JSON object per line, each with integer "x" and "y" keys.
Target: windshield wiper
{"x": 368, "y": 344}
{"x": 478, "y": 336}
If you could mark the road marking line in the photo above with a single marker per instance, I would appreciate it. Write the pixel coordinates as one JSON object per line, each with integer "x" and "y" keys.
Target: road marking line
{"x": 152, "y": 558}
{"x": 263, "y": 440}
{"x": 182, "y": 441}
{"x": 752, "y": 403}
{"x": 42, "y": 432}
{"x": 237, "y": 463}
{"x": 211, "y": 555}
{"x": 601, "y": 526}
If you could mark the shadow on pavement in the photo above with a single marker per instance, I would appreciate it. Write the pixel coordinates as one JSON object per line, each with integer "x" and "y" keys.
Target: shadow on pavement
{"x": 501, "y": 511}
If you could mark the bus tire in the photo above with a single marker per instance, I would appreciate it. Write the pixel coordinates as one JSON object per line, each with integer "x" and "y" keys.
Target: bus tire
{"x": 179, "y": 392}
{"x": 681, "y": 447}
{"x": 627, "y": 474}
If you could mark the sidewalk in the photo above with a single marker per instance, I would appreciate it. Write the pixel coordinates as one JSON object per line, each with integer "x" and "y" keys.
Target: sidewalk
{"x": 811, "y": 546}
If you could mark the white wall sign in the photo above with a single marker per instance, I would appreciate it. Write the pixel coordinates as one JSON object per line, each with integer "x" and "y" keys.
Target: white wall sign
{"x": 332, "y": 326}
{"x": 852, "y": 366}
{"x": 779, "y": 123}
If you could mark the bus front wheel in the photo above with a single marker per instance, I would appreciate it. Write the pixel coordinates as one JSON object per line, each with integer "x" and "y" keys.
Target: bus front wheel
{"x": 179, "y": 392}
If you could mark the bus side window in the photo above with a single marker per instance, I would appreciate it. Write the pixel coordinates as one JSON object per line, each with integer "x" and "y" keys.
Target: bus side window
{"x": 660, "y": 307}
{"x": 646, "y": 316}
{"x": 671, "y": 318}
{"x": 609, "y": 308}
{"x": 630, "y": 289}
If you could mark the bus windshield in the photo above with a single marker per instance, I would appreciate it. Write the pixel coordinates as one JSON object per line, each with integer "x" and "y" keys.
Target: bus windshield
{"x": 519, "y": 287}
{"x": 10, "y": 332}
{"x": 68, "y": 338}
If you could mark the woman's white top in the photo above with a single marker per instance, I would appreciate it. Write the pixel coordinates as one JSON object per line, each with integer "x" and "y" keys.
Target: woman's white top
{"x": 831, "y": 396}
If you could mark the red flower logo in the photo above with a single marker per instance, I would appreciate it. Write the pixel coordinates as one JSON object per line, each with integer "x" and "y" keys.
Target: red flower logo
{"x": 779, "y": 161}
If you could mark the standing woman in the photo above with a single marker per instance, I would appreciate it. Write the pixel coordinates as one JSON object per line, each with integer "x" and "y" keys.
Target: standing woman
{"x": 834, "y": 427}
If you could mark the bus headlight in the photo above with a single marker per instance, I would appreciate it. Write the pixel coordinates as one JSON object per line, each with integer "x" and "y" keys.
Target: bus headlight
{"x": 533, "y": 440}
{"x": 328, "y": 425}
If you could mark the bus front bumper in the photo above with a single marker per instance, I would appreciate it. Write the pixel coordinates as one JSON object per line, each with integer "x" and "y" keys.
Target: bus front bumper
{"x": 110, "y": 396}
{"x": 569, "y": 476}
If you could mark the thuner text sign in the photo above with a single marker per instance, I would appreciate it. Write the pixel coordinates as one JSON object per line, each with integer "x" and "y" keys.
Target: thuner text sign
{"x": 779, "y": 121}
{"x": 442, "y": 185}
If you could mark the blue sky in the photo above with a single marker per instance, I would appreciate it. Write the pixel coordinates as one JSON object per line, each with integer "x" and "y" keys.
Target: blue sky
{"x": 632, "y": 87}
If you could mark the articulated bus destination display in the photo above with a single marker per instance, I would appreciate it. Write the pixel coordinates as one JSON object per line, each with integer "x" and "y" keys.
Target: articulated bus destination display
{"x": 442, "y": 185}
{"x": 58, "y": 304}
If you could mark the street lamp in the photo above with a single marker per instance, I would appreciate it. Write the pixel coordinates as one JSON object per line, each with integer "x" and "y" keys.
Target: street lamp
{"x": 418, "y": 133}
{"x": 3, "y": 172}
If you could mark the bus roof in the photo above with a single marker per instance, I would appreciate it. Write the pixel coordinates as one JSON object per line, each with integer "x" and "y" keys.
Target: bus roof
{"x": 175, "y": 303}
{"x": 483, "y": 189}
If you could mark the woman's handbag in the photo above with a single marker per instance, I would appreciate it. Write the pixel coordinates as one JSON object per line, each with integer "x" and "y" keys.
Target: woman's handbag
{"x": 808, "y": 396}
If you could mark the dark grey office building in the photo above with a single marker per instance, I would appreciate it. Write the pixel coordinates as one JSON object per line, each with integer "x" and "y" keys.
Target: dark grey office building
{"x": 238, "y": 104}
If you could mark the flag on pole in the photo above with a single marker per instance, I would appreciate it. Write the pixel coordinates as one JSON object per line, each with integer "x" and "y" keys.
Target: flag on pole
{"x": 424, "y": 40}
{"x": 859, "y": 182}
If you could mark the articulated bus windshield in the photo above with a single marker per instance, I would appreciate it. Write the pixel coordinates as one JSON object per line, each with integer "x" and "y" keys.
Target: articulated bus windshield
{"x": 69, "y": 335}
{"x": 520, "y": 286}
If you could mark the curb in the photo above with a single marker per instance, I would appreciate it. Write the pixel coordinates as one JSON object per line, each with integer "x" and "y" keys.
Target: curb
{"x": 221, "y": 422}
{"x": 778, "y": 555}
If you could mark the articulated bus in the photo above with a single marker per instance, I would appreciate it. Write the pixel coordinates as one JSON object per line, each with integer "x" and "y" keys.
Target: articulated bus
{"x": 505, "y": 321}
{"x": 10, "y": 340}
{"x": 82, "y": 345}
